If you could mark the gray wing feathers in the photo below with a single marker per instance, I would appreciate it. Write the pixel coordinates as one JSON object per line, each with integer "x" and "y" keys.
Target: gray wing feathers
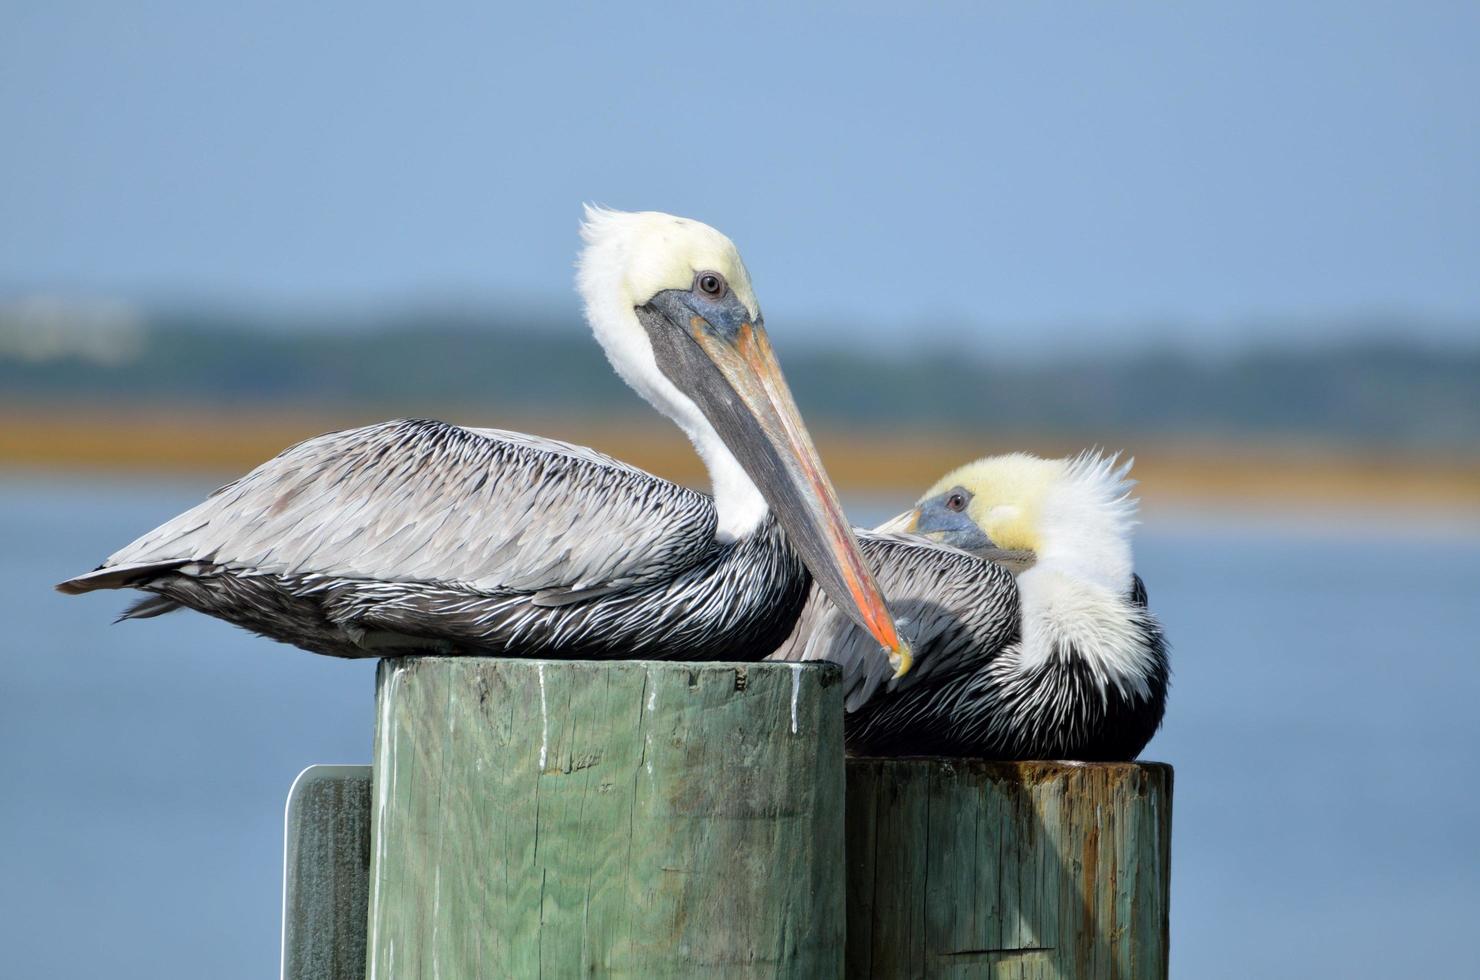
{"x": 149, "y": 607}
{"x": 428, "y": 501}
{"x": 955, "y": 610}
{"x": 118, "y": 576}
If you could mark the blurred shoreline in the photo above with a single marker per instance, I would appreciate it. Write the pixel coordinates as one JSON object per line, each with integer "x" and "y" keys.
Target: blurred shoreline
{"x": 1220, "y": 473}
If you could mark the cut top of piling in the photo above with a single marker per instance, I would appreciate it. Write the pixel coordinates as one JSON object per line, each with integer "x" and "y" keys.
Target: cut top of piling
{"x": 622, "y": 818}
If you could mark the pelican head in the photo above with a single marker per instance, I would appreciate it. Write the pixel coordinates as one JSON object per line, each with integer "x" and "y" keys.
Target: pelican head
{"x": 1074, "y": 513}
{"x": 671, "y": 303}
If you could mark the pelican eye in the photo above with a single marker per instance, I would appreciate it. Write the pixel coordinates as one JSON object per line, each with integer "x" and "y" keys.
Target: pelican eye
{"x": 711, "y": 284}
{"x": 956, "y": 501}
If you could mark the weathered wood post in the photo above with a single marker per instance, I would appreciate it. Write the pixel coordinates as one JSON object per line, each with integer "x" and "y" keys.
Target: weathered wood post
{"x": 326, "y": 874}
{"x": 959, "y": 868}
{"x": 633, "y": 819}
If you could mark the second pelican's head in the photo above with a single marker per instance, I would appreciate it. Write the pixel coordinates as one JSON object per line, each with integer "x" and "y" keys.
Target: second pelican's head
{"x": 1074, "y": 513}
{"x": 671, "y": 303}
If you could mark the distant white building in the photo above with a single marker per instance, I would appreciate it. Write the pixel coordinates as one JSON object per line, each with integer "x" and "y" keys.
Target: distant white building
{"x": 42, "y": 328}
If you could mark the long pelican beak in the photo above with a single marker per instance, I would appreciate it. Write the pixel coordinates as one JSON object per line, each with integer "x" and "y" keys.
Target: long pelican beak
{"x": 731, "y": 373}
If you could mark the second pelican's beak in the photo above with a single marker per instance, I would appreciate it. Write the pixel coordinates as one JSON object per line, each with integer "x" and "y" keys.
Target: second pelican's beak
{"x": 722, "y": 359}
{"x": 900, "y": 523}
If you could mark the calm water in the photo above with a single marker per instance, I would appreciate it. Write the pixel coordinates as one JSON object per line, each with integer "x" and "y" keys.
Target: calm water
{"x": 1324, "y": 724}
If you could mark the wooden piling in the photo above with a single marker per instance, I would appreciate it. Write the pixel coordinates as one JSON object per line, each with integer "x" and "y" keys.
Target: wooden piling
{"x": 959, "y": 868}
{"x": 326, "y": 874}
{"x": 618, "y": 819}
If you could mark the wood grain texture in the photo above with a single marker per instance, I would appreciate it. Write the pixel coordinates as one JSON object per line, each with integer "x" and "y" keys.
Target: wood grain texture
{"x": 966, "y": 869}
{"x": 622, "y": 819}
{"x": 326, "y": 874}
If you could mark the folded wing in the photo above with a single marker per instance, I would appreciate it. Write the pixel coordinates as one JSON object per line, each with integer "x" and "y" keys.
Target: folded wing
{"x": 422, "y": 501}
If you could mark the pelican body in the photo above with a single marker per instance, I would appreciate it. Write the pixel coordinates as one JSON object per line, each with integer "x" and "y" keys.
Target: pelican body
{"x": 1012, "y": 580}
{"x": 421, "y": 536}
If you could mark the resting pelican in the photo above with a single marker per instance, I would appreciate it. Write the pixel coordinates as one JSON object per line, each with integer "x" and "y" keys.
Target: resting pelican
{"x": 419, "y": 536}
{"x": 1061, "y": 662}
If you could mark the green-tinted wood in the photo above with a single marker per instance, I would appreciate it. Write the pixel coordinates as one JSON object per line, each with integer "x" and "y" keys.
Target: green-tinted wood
{"x": 967, "y": 869}
{"x": 326, "y": 874}
{"x": 625, "y": 819}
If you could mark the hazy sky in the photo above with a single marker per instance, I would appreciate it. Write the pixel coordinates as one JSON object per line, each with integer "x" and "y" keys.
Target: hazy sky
{"x": 1029, "y": 164}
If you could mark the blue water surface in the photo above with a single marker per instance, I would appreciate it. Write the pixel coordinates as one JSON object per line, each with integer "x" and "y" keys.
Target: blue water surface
{"x": 1323, "y": 723}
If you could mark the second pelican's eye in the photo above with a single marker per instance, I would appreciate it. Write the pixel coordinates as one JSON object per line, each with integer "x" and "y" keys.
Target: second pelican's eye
{"x": 956, "y": 501}
{"x": 711, "y": 284}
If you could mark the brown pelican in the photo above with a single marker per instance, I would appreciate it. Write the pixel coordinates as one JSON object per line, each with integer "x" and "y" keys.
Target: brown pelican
{"x": 420, "y": 536}
{"x": 1061, "y": 661}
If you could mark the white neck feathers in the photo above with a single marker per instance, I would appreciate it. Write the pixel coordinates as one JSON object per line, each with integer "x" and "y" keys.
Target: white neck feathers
{"x": 1086, "y": 520}
{"x": 602, "y": 280}
{"x": 1076, "y": 596}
